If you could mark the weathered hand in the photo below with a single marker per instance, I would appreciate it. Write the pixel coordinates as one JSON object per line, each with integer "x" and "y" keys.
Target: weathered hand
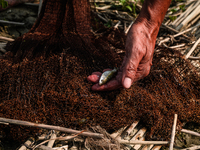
{"x": 137, "y": 61}
{"x": 139, "y": 47}
{"x": 139, "y": 54}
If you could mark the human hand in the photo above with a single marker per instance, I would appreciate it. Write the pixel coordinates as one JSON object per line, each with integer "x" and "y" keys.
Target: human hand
{"x": 137, "y": 61}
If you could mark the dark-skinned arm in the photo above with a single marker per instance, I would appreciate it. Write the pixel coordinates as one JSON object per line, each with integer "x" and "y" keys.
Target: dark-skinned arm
{"x": 140, "y": 44}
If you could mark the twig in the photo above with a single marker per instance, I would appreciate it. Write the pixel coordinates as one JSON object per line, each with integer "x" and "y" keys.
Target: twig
{"x": 130, "y": 129}
{"x": 126, "y": 132}
{"x": 193, "y": 48}
{"x": 6, "y": 39}
{"x": 182, "y": 45}
{"x": 116, "y": 26}
{"x": 157, "y": 147}
{"x": 43, "y": 147}
{"x": 118, "y": 133}
{"x": 182, "y": 16}
{"x": 65, "y": 147}
{"x": 119, "y": 15}
{"x": 190, "y": 132}
{"x": 185, "y": 14}
{"x": 12, "y": 23}
{"x": 143, "y": 142}
{"x": 59, "y": 138}
{"x": 189, "y": 18}
{"x": 31, "y": 4}
{"x": 193, "y": 58}
{"x": 102, "y": 8}
{"x": 167, "y": 22}
{"x": 40, "y": 7}
{"x": 178, "y": 34}
{"x": 2, "y": 49}
{"x": 58, "y": 128}
{"x": 51, "y": 142}
{"x": 102, "y": 18}
{"x": 192, "y": 148}
{"x": 185, "y": 31}
{"x": 43, "y": 137}
{"x": 139, "y": 134}
{"x": 5, "y": 123}
{"x": 173, "y": 132}
{"x": 176, "y": 22}
{"x": 147, "y": 147}
{"x": 125, "y": 26}
{"x": 174, "y": 30}
{"x": 177, "y": 46}
{"x": 193, "y": 21}
{"x": 128, "y": 27}
{"x": 28, "y": 143}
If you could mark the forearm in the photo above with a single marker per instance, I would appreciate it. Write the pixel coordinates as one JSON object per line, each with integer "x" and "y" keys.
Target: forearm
{"x": 152, "y": 14}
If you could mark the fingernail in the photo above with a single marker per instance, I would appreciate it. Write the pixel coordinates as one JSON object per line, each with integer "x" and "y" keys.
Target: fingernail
{"x": 127, "y": 82}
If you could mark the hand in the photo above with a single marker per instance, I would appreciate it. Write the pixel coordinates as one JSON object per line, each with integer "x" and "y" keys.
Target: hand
{"x": 137, "y": 61}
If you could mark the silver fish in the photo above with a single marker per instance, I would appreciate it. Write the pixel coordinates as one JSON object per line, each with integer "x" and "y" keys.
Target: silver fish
{"x": 107, "y": 75}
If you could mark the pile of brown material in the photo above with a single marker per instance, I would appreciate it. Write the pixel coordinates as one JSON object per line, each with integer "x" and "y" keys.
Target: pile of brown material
{"x": 53, "y": 89}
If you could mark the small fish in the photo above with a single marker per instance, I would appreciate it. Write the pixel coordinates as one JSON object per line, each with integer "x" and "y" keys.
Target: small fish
{"x": 107, "y": 75}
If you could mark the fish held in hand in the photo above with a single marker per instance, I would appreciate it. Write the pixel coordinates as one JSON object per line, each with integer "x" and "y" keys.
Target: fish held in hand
{"x": 107, "y": 76}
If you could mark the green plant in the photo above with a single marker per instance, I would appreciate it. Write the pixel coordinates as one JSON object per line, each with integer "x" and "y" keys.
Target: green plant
{"x": 3, "y": 3}
{"x": 108, "y": 24}
{"x": 182, "y": 7}
{"x": 127, "y": 6}
{"x": 172, "y": 18}
{"x": 174, "y": 10}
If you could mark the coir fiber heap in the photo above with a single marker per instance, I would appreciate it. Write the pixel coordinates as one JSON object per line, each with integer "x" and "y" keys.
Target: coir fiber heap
{"x": 43, "y": 78}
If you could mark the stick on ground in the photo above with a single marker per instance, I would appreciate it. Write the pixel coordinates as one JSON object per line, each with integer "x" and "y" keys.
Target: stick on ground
{"x": 6, "y": 39}
{"x": 173, "y": 132}
{"x": 193, "y": 48}
{"x": 190, "y": 132}
{"x": 58, "y": 128}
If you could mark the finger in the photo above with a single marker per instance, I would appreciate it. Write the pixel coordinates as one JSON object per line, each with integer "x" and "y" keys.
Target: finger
{"x": 96, "y": 73}
{"x": 111, "y": 85}
{"x": 94, "y": 77}
{"x": 106, "y": 70}
{"x": 129, "y": 71}
{"x": 142, "y": 72}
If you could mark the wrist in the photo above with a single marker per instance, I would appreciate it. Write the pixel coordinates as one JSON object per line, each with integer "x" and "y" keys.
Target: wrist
{"x": 151, "y": 28}
{"x": 152, "y": 15}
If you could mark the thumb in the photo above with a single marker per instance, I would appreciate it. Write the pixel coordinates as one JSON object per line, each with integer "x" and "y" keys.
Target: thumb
{"x": 127, "y": 82}
{"x": 129, "y": 71}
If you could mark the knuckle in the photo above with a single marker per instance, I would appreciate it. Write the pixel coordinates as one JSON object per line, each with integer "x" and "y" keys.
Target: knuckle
{"x": 141, "y": 52}
{"x": 131, "y": 70}
{"x": 147, "y": 71}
